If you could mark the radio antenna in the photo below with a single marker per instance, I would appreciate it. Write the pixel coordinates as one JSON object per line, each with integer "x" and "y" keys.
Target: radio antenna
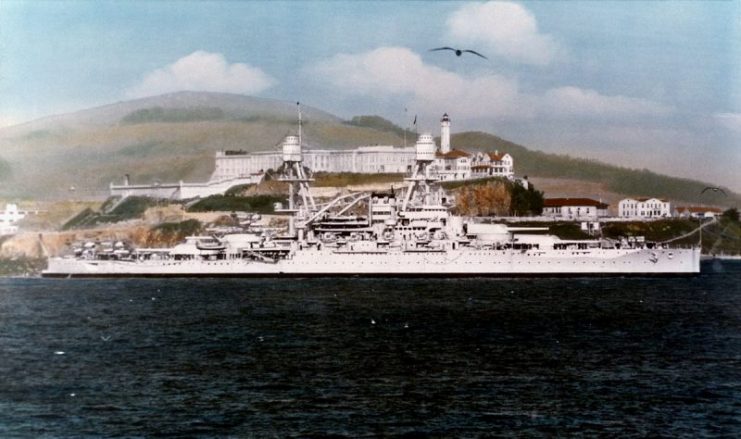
{"x": 298, "y": 106}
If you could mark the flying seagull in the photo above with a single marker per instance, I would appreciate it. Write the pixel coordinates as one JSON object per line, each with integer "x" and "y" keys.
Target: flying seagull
{"x": 714, "y": 189}
{"x": 459, "y": 52}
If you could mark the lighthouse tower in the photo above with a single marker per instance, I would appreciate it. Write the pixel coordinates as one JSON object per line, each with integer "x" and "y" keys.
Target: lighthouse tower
{"x": 445, "y": 134}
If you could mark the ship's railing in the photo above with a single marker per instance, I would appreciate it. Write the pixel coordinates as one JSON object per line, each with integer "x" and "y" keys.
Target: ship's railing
{"x": 691, "y": 232}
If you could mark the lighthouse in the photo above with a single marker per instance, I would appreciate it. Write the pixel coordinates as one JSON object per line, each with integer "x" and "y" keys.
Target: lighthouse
{"x": 445, "y": 134}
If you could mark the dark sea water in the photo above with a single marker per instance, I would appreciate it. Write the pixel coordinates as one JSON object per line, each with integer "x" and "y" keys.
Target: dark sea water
{"x": 372, "y": 357}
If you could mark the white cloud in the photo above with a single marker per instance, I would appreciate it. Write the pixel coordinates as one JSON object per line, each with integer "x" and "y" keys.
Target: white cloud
{"x": 504, "y": 29}
{"x": 578, "y": 102}
{"x": 399, "y": 72}
{"x": 730, "y": 121}
{"x": 7, "y": 120}
{"x": 203, "y": 71}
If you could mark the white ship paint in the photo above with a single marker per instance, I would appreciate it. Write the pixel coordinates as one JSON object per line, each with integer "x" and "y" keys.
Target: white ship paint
{"x": 379, "y": 234}
{"x": 449, "y": 263}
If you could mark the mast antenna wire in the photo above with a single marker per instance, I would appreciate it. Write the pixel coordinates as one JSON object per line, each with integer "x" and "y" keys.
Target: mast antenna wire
{"x": 300, "y": 142}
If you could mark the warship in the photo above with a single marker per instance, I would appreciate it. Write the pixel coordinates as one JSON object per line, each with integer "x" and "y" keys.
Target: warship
{"x": 409, "y": 231}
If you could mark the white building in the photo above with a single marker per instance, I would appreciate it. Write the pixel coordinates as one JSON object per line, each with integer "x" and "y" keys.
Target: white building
{"x": 450, "y": 163}
{"x": 697, "y": 212}
{"x": 240, "y": 167}
{"x": 644, "y": 208}
{"x": 364, "y": 160}
{"x": 492, "y": 164}
{"x": 9, "y": 217}
{"x": 574, "y": 208}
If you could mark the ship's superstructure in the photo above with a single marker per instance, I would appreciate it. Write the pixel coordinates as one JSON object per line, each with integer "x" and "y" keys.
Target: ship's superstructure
{"x": 407, "y": 231}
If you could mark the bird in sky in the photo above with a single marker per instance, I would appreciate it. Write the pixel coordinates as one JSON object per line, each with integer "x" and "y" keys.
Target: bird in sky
{"x": 459, "y": 52}
{"x": 714, "y": 189}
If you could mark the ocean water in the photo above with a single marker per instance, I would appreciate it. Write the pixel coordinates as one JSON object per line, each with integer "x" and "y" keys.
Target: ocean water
{"x": 372, "y": 357}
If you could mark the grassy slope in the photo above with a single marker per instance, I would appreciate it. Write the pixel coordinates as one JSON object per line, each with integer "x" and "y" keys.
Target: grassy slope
{"x": 90, "y": 159}
{"x": 254, "y": 204}
{"x": 325, "y": 179}
{"x": 5, "y": 170}
{"x": 49, "y": 159}
{"x": 627, "y": 181}
{"x": 721, "y": 238}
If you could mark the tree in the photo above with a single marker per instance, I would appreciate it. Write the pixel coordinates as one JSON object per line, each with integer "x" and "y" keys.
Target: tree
{"x": 525, "y": 201}
{"x": 731, "y": 214}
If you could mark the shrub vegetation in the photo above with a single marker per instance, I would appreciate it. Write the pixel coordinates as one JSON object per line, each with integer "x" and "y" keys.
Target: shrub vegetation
{"x": 159, "y": 114}
{"x": 258, "y": 203}
{"x": 172, "y": 233}
{"x": 340, "y": 179}
{"x": 380, "y": 124}
{"x": 496, "y": 196}
{"x": 130, "y": 208}
{"x": 21, "y": 266}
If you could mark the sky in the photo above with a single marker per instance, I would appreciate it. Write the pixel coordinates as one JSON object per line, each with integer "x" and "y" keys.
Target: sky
{"x": 653, "y": 84}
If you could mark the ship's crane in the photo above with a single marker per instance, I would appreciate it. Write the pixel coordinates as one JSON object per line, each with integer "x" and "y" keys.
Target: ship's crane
{"x": 355, "y": 199}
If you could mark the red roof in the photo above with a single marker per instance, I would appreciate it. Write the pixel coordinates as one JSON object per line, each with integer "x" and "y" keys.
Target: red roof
{"x": 495, "y": 156}
{"x": 644, "y": 199}
{"x": 453, "y": 154}
{"x": 561, "y": 202}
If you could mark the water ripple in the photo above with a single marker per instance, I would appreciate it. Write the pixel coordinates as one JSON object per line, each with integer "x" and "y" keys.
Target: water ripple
{"x": 302, "y": 358}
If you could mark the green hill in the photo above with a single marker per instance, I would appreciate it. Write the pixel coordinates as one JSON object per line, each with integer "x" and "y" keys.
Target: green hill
{"x": 5, "y": 170}
{"x": 159, "y": 114}
{"x": 168, "y": 138}
{"x": 631, "y": 182}
{"x": 174, "y": 137}
{"x": 380, "y": 124}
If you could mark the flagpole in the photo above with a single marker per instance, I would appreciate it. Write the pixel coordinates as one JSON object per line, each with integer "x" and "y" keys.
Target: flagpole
{"x": 406, "y": 127}
{"x": 298, "y": 106}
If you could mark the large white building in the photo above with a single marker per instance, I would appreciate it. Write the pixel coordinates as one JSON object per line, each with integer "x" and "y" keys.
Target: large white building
{"x": 574, "y": 208}
{"x": 364, "y": 160}
{"x": 240, "y": 167}
{"x": 449, "y": 164}
{"x": 644, "y": 208}
{"x": 462, "y": 165}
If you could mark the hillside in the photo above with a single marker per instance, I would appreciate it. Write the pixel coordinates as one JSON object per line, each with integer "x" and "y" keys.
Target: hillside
{"x": 620, "y": 180}
{"x": 173, "y": 137}
{"x": 556, "y": 173}
{"x": 4, "y": 170}
{"x": 234, "y": 107}
{"x": 165, "y": 138}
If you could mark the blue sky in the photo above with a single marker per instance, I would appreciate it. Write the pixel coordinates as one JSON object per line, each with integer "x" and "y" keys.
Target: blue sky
{"x": 643, "y": 84}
